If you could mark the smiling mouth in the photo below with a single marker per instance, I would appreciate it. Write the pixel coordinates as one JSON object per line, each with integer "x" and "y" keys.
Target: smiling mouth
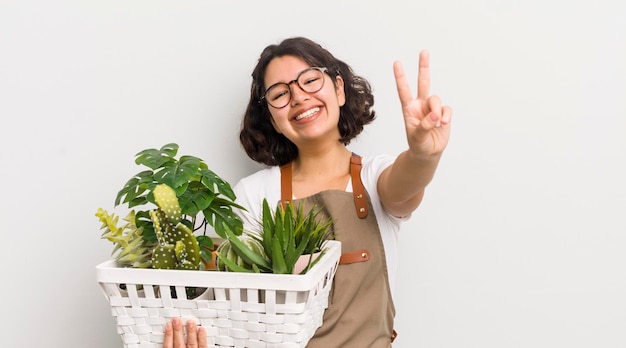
{"x": 307, "y": 113}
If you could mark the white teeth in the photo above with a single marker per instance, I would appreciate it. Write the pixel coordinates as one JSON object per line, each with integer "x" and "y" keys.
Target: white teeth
{"x": 307, "y": 113}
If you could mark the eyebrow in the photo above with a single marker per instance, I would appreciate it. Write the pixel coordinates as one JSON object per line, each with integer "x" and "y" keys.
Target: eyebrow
{"x": 292, "y": 80}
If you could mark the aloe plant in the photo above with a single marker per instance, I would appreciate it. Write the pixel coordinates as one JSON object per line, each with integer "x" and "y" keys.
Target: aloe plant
{"x": 204, "y": 200}
{"x": 285, "y": 234}
{"x": 231, "y": 259}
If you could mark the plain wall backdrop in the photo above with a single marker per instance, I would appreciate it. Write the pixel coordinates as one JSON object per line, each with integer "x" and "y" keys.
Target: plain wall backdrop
{"x": 520, "y": 241}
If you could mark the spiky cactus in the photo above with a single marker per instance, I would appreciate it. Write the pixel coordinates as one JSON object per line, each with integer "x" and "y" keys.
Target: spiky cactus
{"x": 177, "y": 245}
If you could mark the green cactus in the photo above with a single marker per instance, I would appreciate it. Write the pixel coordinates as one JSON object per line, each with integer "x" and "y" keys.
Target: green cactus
{"x": 166, "y": 199}
{"x": 177, "y": 245}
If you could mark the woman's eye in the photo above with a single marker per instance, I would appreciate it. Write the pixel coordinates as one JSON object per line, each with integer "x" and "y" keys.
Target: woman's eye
{"x": 311, "y": 80}
{"x": 279, "y": 94}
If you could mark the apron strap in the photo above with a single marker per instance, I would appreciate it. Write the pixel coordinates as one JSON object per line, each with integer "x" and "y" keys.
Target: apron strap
{"x": 354, "y": 256}
{"x": 358, "y": 190}
{"x": 285, "y": 185}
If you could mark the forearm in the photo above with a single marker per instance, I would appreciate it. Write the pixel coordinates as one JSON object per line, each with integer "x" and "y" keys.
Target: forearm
{"x": 401, "y": 186}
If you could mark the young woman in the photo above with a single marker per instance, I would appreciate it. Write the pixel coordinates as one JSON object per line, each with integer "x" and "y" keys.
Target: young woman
{"x": 305, "y": 108}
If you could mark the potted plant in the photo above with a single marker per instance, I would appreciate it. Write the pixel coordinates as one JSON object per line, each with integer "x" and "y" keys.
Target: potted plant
{"x": 170, "y": 202}
{"x": 162, "y": 241}
{"x": 287, "y": 241}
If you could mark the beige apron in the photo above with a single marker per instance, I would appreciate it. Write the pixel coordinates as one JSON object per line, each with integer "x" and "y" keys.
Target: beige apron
{"x": 361, "y": 311}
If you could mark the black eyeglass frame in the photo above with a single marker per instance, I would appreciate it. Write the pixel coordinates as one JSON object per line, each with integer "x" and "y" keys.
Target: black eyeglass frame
{"x": 320, "y": 69}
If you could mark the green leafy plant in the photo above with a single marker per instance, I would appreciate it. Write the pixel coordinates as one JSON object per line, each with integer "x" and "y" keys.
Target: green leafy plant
{"x": 174, "y": 196}
{"x": 284, "y": 235}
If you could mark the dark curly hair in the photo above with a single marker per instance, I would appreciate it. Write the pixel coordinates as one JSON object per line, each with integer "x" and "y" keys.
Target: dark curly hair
{"x": 259, "y": 138}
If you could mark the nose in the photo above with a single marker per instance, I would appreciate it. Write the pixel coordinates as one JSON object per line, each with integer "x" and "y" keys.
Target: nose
{"x": 297, "y": 93}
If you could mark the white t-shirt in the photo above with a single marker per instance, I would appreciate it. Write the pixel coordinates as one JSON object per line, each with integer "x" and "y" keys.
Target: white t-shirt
{"x": 265, "y": 183}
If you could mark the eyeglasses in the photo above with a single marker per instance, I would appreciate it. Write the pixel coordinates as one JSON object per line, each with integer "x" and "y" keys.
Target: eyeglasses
{"x": 310, "y": 80}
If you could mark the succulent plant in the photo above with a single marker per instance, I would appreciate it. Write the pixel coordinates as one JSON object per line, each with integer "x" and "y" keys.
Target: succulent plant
{"x": 232, "y": 258}
{"x": 284, "y": 235}
{"x": 130, "y": 248}
{"x": 170, "y": 202}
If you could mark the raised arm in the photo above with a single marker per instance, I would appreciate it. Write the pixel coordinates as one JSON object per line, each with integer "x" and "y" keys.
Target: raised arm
{"x": 427, "y": 124}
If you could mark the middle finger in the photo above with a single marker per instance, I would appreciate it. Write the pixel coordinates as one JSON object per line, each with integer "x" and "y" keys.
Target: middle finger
{"x": 192, "y": 340}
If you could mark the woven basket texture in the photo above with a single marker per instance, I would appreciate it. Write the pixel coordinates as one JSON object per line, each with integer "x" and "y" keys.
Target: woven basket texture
{"x": 237, "y": 309}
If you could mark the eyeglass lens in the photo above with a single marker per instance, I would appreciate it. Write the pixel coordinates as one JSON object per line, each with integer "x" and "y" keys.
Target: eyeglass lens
{"x": 310, "y": 80}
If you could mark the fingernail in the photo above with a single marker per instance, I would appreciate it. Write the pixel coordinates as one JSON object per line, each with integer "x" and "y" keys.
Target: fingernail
{"x": 434, "y": 118}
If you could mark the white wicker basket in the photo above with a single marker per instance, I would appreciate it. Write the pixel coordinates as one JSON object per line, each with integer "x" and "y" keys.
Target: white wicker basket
{"x": 236, "y": 309}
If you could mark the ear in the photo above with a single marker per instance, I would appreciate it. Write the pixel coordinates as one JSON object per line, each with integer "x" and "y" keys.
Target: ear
{"x": 341, "y": 94}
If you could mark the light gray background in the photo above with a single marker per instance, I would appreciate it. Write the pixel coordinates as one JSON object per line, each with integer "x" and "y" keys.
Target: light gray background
{"x": 520, "y": 241}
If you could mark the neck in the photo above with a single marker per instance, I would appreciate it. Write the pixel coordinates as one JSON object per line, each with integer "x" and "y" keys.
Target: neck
{"x": 329, "y": 162}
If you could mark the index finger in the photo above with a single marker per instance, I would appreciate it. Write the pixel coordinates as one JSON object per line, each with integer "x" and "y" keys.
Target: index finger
{"x": 404, "y": 92}
{"x": 423, "y": 76}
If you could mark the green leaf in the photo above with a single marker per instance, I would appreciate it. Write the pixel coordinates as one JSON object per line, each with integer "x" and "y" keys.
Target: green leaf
{"x": 144, "y": 221}
{"x": 287, "y": 237}
{"x": 245, "y": 253}
{"x": 292, "y": 256}
{"x": 311, "y": 264}
{"x": 220, "y": 216}
{"x": 196, "y": 199}
{"x": 279, "y": 230}
{"x": 205, "y": 242}
{"x": 228, "y": 203}
{"x": 134, "y": 187}
{"x": 278, "y": 261}
{"x": 153, "y": 158}
{"x": 267, "y": 221}
{"x": 176, "y": 174}
{"x": 207, "y": 246}
{"x": 216, "y": 184}
{"x": 232, "y": 265}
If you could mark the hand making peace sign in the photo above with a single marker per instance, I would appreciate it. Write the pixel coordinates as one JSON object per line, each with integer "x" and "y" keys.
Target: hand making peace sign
{"x": 427, "y": 122}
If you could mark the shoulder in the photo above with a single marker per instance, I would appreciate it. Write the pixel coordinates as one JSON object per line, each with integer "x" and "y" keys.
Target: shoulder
{"x": 252, "y": 189}
{"x": 377, "y": 163}
{"x": 259, "y": 176}
{"x": 263, "y": 183}
{"x": 373, "y": 166}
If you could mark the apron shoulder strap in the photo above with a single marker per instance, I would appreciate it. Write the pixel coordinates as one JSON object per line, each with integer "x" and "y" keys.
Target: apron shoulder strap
{"x": 358, "y": 190}
{"x": 285, "y": 184}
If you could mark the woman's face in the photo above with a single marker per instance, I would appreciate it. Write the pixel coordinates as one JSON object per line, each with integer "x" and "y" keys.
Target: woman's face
{"x": 307, "y": 117}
